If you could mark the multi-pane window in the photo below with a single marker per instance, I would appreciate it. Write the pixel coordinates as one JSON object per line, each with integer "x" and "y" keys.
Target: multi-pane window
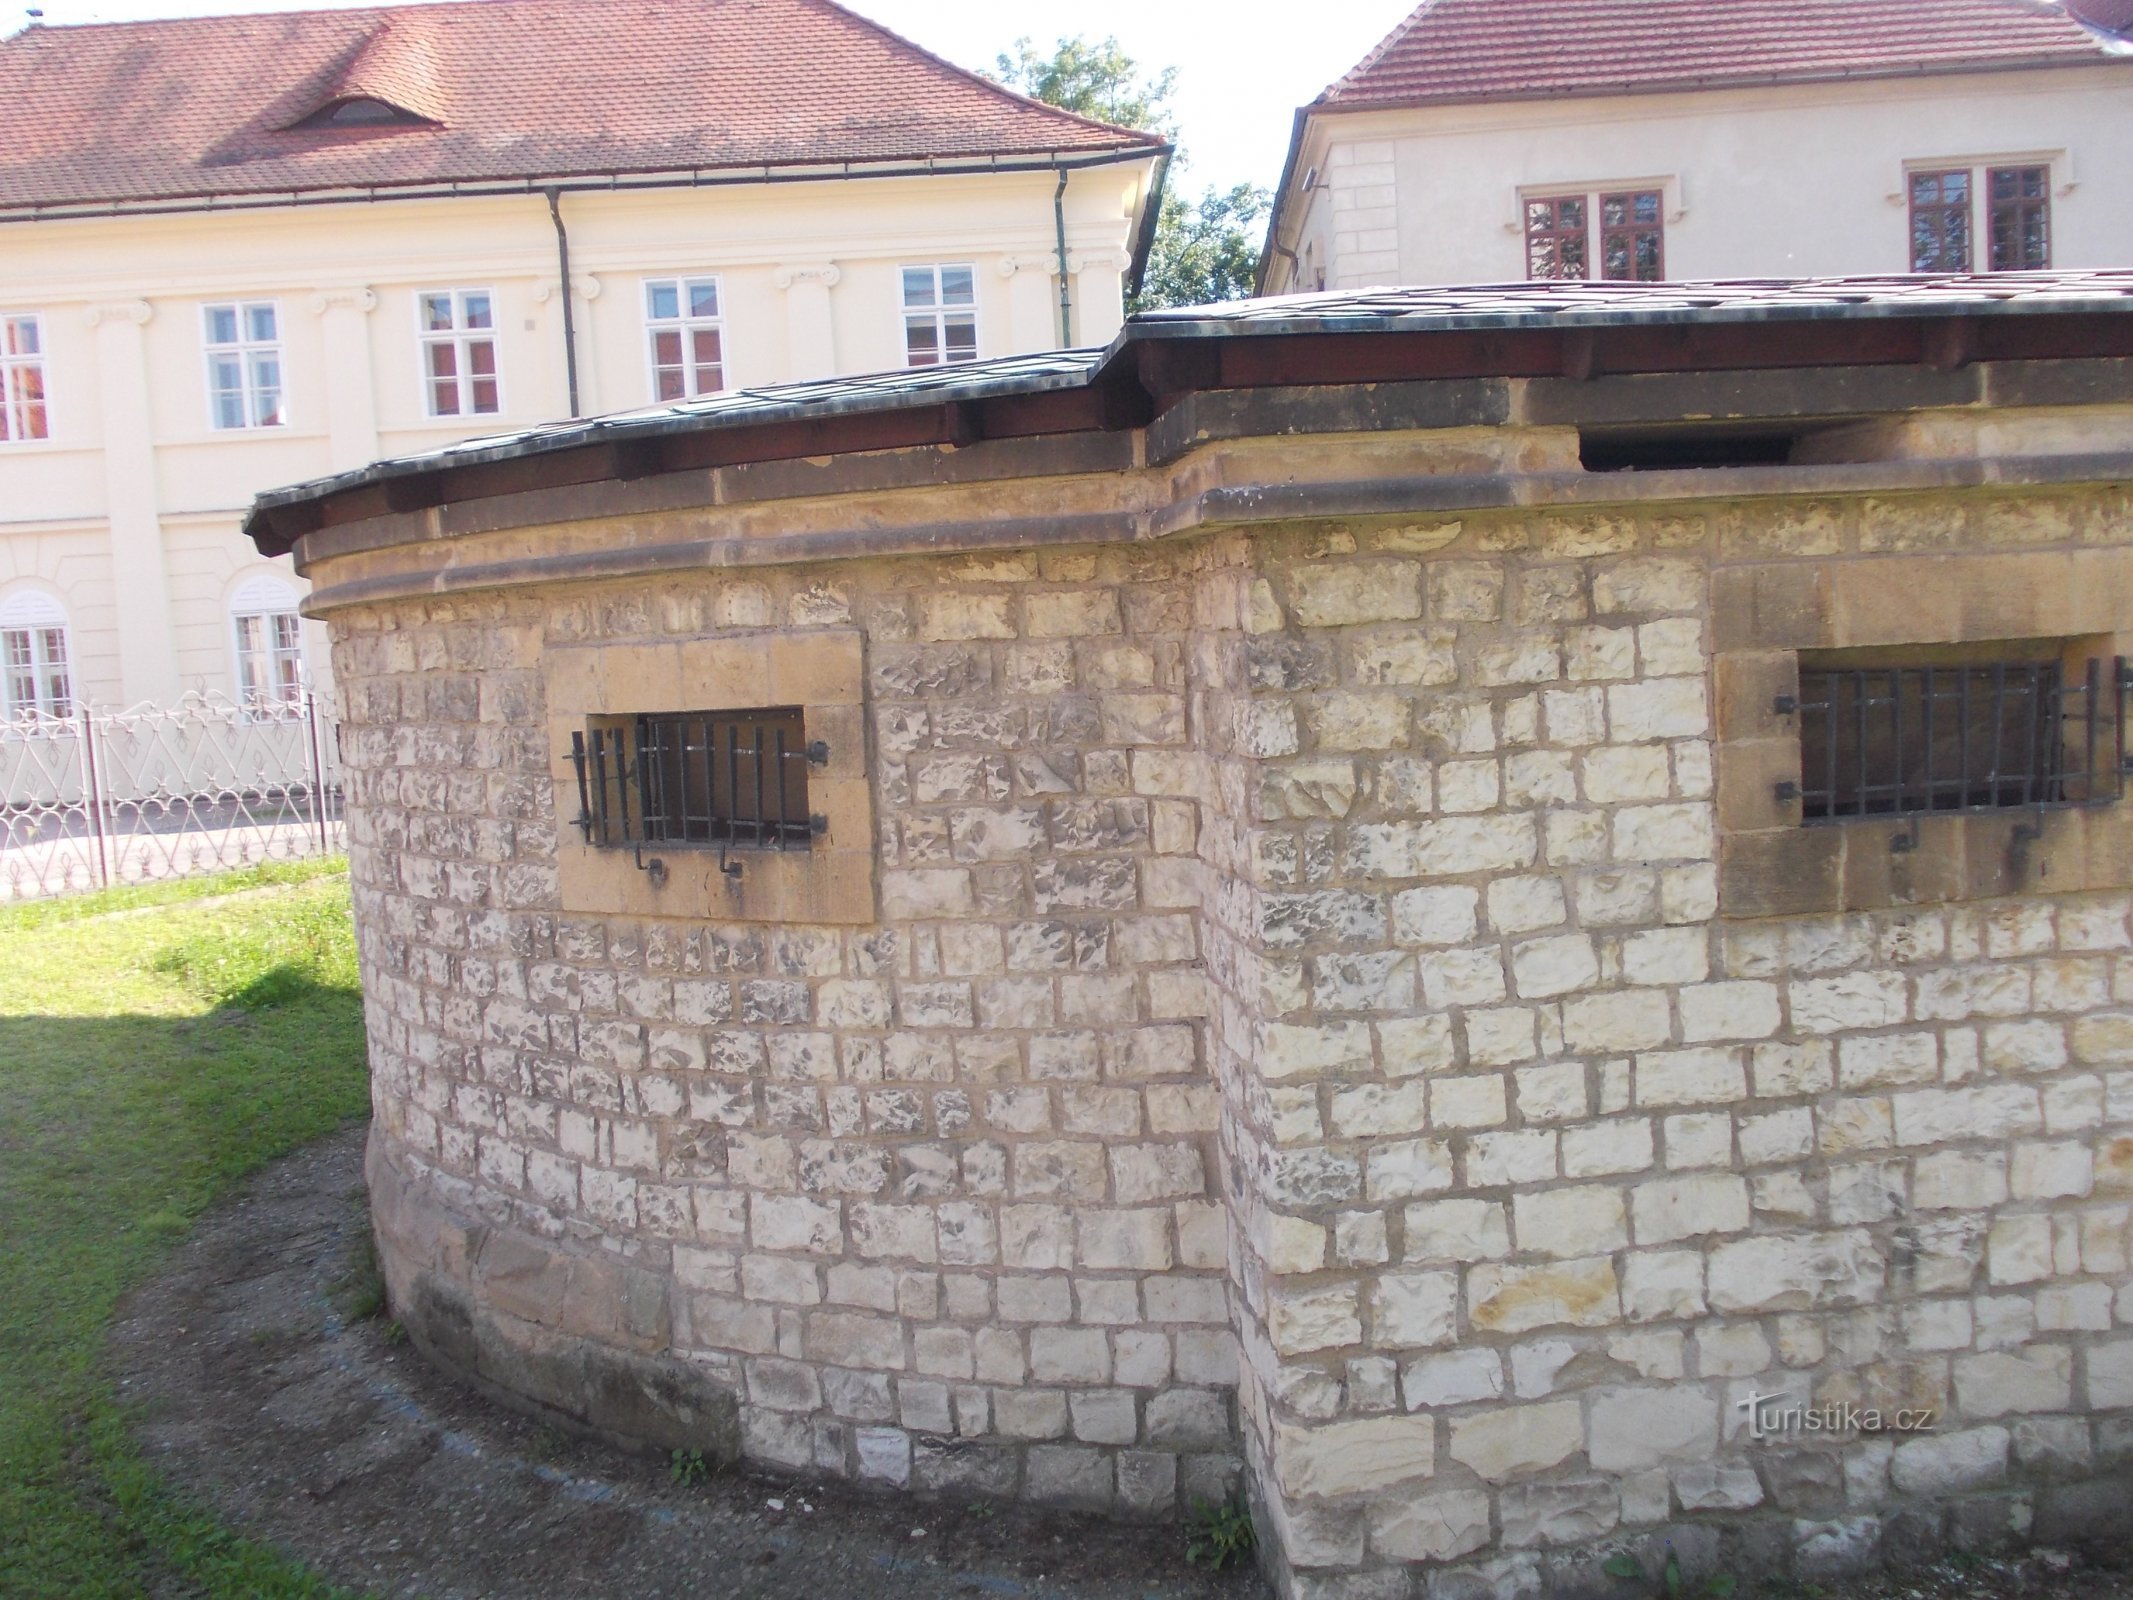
{"x": 1624, "y": 231}
{"x": 1558, "y": 238}
{"x": 22, "y": 407}
{"x": 940, "y": 315}
{"x": 459, "y": 352}
{"x": 2019, "y": 202}
{"x": 244, "y": 365}
{"x": 33, "y": 657}
{"x": 2016, "y": 218}
{"x": 1940, "y": 221}
{"x": 681, "y": 319}
{"x": 270, "y": 644}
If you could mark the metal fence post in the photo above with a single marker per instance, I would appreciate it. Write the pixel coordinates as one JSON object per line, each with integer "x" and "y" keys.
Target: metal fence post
{"x": 92, "y": 796}
{"x": 316, "y": 755}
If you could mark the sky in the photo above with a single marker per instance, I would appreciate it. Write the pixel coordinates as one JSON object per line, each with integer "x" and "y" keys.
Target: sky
{"x": 1244, "y": 66}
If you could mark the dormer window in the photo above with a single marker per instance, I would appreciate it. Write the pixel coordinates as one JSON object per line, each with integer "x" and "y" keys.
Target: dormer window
{"x": 362, "y": 111}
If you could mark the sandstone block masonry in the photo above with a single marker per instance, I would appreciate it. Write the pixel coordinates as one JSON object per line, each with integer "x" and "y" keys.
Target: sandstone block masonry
{"x": 1326, "y": 1025}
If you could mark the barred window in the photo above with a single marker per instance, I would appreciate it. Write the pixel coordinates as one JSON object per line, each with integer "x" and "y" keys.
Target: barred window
{"x": 728, "y": 779}
{"x": 2004, "y": 734}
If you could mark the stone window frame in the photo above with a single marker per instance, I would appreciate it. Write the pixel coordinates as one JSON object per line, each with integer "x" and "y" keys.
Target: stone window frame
{"x": 821, "y": 672}
{"x": 1764, "y": 615}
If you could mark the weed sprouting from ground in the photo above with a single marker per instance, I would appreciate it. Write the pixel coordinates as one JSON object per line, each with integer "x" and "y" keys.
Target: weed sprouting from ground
{"x": 688, "y": 1468}
{"x": 1219, "y": 1533}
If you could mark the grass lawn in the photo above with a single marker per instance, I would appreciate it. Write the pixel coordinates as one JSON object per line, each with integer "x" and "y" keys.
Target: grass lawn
{"x": 155, "y": 1045}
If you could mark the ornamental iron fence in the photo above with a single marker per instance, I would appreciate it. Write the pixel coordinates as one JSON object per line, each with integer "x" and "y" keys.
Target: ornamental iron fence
{"x": 119, "y": 797}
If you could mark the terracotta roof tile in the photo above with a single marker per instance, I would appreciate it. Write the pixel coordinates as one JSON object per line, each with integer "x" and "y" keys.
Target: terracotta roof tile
{"x": 513, "y": 89}
{"x": 1517, "y": 49}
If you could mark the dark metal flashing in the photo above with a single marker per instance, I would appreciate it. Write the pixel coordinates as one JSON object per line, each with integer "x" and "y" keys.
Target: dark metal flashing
{"x": 1573, "y": 333}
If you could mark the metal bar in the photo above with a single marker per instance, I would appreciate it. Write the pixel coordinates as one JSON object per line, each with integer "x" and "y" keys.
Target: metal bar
{"x": 318, "y": 767}
{"x": 577, "y": 760}
{"x": 1926, "y": 725}
{"x": 1896, "y": 681}
{"x": 1829, "y": 740}
{"x": 1859, "y": 698}
{"x": 779, "y": 772}
{"x": 2033, "y": 678}
{"x": 2092, "y": 691}
{"x": 733, "y": 782}
{"x": 599, "y": 755}
{"x": 93, "y": 798}
{"x": 2118, "y": 725}
{"x": 1962, "y": 730}
{"x": 1999, "y": 724}
{"x": 757, "y": 754}
{"x": 685, "y": 774}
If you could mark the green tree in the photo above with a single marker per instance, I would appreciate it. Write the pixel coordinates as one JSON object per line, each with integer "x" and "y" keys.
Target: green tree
{"x": 1207, "y": 246}
{"x": 1092, "y": 80}
{"x": 1205, "y": 250}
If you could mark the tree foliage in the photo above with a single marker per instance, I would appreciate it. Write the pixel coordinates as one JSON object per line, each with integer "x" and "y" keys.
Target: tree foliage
{"x": 1092, "y": 80}
{"x": 1206, "y": 249}
{"x": 1207, "y": 245}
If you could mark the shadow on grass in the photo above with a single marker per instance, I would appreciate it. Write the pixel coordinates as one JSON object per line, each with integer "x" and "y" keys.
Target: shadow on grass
{"x": 115, "y": 1132}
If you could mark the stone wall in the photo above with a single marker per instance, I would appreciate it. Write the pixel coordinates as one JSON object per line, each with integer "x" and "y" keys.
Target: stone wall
{"x": 1543, "y": 1166}
{"x": 1302, "y": 1025}
{"x": 932, "y": 1199}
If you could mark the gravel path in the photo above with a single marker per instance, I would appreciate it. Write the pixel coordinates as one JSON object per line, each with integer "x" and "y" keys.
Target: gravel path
{"x": 346, "y": 1450}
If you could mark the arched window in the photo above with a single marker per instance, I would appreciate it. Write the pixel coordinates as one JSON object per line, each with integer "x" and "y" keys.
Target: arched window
{"x": 33, "y": 656}
{"x": 270, "y": 644}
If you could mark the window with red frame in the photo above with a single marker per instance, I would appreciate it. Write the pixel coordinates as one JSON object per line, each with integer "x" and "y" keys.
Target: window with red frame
{"x": 1940, "y": 221}
{"x": 1558, "y": 238}
{"x": 2010, "y": 208}
{"x": 2019, "y": 202}
{"x": 1623, "y": 231}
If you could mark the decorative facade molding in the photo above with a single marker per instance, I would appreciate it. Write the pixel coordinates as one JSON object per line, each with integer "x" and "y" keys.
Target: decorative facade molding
{"x": 351, "y": 298}
{"x": 1081, "y": 261}
{"x": 582, "y": 284}
{"x": 136, "y": 312}
{"x": 824, "y": 274}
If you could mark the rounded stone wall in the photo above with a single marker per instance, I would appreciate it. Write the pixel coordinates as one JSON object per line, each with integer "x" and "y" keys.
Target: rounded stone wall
{"x": 927, "y": 1198}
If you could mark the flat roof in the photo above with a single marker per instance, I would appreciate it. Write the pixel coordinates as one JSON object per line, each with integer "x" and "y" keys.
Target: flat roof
{"x": 1366, "y": 335}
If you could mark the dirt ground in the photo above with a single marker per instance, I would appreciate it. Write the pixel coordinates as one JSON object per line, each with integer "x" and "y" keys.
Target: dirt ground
{"x": 346, "y": 1450}
{"x": 343, "y": 1448}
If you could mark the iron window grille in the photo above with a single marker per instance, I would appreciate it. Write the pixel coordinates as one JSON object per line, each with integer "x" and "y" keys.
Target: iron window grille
{"x": 709, "y": 779}
{"x": 1997, "y": 736}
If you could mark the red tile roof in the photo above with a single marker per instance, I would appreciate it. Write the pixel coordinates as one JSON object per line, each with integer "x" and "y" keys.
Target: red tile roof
{"x": 511, "y": 90}
{"x": 1527, "y": 49}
